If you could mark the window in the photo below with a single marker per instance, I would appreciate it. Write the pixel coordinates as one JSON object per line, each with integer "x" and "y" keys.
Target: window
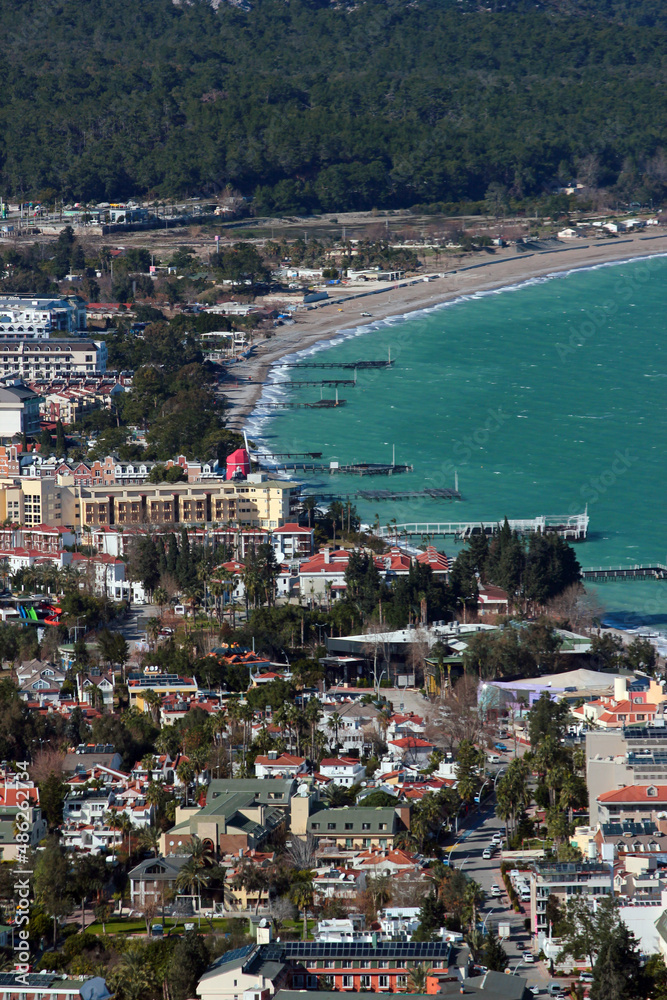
{"x": 365, "y": 826}
{"x": 383, "y": 982}
{"x": 365, "y": 982}
{"x": 349, "y": 826}
{"x": 331, "y": 826}
{"x": 348, "y": 982}
{"x": 383, "y": 826}
{"x": 315, "y": 826}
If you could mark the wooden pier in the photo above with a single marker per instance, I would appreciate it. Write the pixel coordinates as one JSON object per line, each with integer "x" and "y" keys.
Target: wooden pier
{"x": 574, "y": 527}
{"x": 318, "y": 404}
{"x": 355, "y": 469}
{"x": 433, "y": 494}
{"x": 337, "y": 364}
{"x": 655, "y": 572}
{"x": 287, "y": 384}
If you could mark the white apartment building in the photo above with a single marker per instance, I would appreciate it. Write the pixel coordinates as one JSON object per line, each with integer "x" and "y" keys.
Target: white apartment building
{"x": 345, "y": 771}
{"x": 37, "y": 318}
{"x": 30, "y": 360}
{"x": 19, "y": 410}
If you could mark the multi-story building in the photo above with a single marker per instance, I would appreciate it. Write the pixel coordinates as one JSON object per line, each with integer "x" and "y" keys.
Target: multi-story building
{"x": 51, "y": 359}
{"x": 35, "y": 318}
{"x": 256, "y": 502}
{"x": 378, "y": 968}
{"x": 19, "y": 410}
{"x": 14, "y": 804}
{"x": 614, "y": 759}
{"x": 566, "y": 879}
{"x": 31, "y": 502}
{"x": 357, "y": 827}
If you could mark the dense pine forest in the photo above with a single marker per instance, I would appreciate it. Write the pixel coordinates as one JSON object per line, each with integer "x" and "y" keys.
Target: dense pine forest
{"x": 307, "y": 106}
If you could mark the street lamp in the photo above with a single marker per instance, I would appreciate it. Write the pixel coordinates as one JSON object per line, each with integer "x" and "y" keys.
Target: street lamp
{"x": 492, "y": 910}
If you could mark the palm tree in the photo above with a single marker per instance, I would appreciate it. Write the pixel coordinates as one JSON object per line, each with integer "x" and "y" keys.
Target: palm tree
{"x": 199, "y": 760}
{"x": 153, "y": 700}
{"x": 474, "y": 896}
{"x": 160, "y": 597}
{"x": 201, "y": 851}
{"x": 133, "y": 977}
{"x": 193, "y": 876}
{"x": 301, "y": 895}
{"x": 185, "y": 773}
{"x": 417, "y": 979}
{"x": 149, "y": 838}
{"x": 113, "y": 821}
{"x": 217, "y": 589}
{"x": 334, "y": 723}
{"x": 252, "y": 878}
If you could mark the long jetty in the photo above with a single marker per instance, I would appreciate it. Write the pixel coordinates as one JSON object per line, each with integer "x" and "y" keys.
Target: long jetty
{"x": 288, "y": 384}
{"x": 573, "y": 526}
{"x": 656, "y": 571}
{"x": 337, "y": 364}
{"x": 355, "y": 469}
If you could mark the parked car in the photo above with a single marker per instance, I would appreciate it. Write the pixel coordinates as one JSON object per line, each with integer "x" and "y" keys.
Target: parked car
{"x": 501, "y": 747}
{"x": 488, "y": 853}
{"x": 554, "y": 989}
{"x": 586, "y": 977}
{"x": 528, "y": 957}
{"x": 496, "y": 891}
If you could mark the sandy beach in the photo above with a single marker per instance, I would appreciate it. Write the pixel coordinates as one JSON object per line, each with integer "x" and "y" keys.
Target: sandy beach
{"x": 327, "y": 321}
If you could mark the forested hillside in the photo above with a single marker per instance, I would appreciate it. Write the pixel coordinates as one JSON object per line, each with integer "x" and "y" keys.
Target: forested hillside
{"x": 307, "y": 106}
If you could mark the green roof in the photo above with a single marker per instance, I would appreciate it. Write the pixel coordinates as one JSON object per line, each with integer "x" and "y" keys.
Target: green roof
{"x": 266, "y": 791}
{"x": 351, "y": 819}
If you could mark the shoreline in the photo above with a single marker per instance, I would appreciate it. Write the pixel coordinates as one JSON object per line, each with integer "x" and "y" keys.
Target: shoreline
{"x": 343, "y": 317}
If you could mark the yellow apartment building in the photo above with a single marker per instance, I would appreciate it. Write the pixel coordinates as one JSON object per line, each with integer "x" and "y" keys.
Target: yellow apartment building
{"x": 258, "y": 502}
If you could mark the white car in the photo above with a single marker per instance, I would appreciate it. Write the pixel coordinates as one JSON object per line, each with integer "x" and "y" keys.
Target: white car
{"x": 528, "y": 958}
{"x": 487, "y": 853}
{"x": 496, "y": 891}
{"x": 586, "y": 977}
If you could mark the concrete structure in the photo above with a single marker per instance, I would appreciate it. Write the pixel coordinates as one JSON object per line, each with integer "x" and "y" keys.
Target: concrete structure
{"x": 256, "y": 502}
{"x": 345, "y": 771}
{"x": 564, "y": 879}
{"x": 239, "y": 814}
{"x": 51, "y": 986}
{"x": 357, "y": 827}
{"x": 51, "y": 359}
{"x": 151, "y": 879}
{"x": 618, "y": 758}
{"x": 37, "y": 502}
{"x": 380, "y": 967}
{"x": 255, "y": 972}
{"x": 36, "y": 318}
{"x": 274, "y": 765}
{"x": 19, "y": 410}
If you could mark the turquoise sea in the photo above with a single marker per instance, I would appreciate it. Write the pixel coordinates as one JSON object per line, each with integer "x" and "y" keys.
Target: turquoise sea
{"x": 544, "y": 398}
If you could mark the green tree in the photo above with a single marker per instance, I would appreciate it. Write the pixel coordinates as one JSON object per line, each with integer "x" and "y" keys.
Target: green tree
{"x": 53, "y": 882}
{"x": 189, "y": 961}
{"x": 547, "y": 718}
{"x": 469, "y": 760}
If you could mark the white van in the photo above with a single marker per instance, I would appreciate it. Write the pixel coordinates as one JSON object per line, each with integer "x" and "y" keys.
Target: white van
{"x": 493, "y": 758}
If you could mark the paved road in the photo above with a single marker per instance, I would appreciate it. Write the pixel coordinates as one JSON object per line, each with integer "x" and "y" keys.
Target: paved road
{"x": 133, "y": 627}
{"x": 467, "y": 854}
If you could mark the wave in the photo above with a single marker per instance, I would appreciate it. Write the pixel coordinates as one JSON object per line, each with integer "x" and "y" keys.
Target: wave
{"x": 327, "y": 342}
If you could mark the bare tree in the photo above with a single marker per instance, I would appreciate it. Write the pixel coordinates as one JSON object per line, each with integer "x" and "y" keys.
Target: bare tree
{"x": 301, "y": 852}
{"x": 46, "y": 763}
{"x": 576, "y": 607}
{"x": 457, "y": 717}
